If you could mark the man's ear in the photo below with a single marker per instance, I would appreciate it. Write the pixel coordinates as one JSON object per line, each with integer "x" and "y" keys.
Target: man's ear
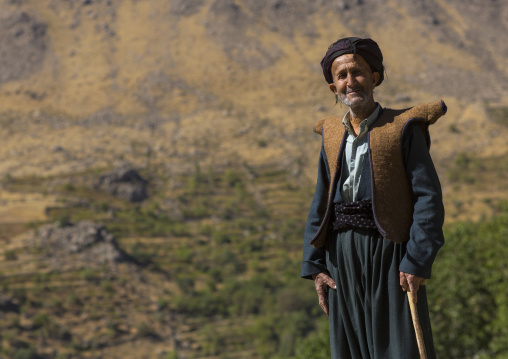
{"x": 333, "y": 88}
{"x": 375, "y": 78}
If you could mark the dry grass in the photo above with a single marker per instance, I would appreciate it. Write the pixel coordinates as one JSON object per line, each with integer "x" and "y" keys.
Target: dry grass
{"x": 133, "y": 82}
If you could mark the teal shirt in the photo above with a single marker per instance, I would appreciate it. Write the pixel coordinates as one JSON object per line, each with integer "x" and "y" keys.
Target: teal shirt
{"x": 355, "y": 154}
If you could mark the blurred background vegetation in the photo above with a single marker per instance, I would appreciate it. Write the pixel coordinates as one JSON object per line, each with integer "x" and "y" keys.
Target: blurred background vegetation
{"x": 158, "y": 163}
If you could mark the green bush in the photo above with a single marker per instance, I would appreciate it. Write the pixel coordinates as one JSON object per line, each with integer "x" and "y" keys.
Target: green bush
{"x": 213, "y": 341}
{"x": 146, "y": 331}
{"x": 231, "y": 178}
{"x": 196, "y": 210}
{"x": 10, "y": 255}
{"x": 141, "y": 253}
{"x": 291, "y": 328}
{"x": 316, "y": 345}
{"x": 41, "y": 320}
{"x": 468, "y": 296}
{"x": 69, "y": 187}
{"x": 230, "y": 262}
{"x": 184, "y": 254}
{"x": 221, "y": 237}
{"x": 464, "y": 169}
{"x": 26, "y": 353}
{"x": 498, "y": 114}
{"x": 89, "y": 274}
{"x": 107, "y": 286}
{"x": 186, "y": 284}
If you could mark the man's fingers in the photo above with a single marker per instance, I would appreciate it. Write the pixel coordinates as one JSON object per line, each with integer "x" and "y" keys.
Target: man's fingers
{"x": 412, "y": 283}
{"x": 323, "y": 303}
{"x": 331, "y": 283}
{"x": 413, "y": 287}
{"x": 322, "y": 296}
{"x": 322, "y": 281}
{"x": 321, "y": 291}
{"x": 403, "y": 282}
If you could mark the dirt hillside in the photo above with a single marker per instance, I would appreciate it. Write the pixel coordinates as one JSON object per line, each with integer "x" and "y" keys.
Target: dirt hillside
{"x": 198, "y": 94}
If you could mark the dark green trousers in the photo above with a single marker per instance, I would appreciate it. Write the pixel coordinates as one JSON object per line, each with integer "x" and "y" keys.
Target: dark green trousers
{"x": 369, "y": 312}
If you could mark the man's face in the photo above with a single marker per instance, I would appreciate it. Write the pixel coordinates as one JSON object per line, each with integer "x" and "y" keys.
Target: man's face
{"x": 354, "y": 81}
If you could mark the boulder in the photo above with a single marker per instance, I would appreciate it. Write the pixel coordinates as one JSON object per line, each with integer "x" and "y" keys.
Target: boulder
{"x": 22, "y": 45}
{"x": 125, "y": 183}
{"x": 85, "y": 243}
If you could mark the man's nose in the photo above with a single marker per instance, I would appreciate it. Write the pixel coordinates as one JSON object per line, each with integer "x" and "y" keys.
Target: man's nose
{"x": 351, "y": 80}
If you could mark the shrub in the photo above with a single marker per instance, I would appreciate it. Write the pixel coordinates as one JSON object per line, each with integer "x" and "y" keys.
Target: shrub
{"x": 107, "y": 286}
{"x": 184, "y": 254}
{"x": 316, "y": 345}
{"x": 213, "y": 340}
{"x": 221, "y": 237}
{"x": 69, "y": 187}
{"x": 186, "y": 284}
{"x": 10, "y": 255}
{"x": 141, "y": 254}
{"x": 463, "y": 168}
{"x": 162, "y": 304}
{"x": 498, "y": 114}
{"x": 41, "y": 320}
{"x": 26, "y": 353}
{"x": 146, "y": 331}
{"x": 467, "y": 295}
{"x": 231, "y": 178}
{"x": 89, "y": 274}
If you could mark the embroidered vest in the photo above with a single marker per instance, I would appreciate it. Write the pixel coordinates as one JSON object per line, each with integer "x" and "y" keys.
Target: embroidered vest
{"x": 392, "y": 203}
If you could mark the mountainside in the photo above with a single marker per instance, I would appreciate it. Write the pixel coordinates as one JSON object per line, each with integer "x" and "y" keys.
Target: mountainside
{"x": 210, "y": 81}
{"x": 214, "y": 102}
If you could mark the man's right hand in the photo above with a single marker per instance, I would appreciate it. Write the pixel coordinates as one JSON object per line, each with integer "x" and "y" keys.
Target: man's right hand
{"x": 322, "y": 281}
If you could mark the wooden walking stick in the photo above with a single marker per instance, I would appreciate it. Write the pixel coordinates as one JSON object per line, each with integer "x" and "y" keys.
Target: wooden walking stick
{"x": 418, "y": 328}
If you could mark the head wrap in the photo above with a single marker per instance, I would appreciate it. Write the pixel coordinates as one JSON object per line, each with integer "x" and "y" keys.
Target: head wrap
{"x": 366, "y": 48}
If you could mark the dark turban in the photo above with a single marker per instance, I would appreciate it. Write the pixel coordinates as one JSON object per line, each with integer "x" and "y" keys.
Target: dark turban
{"x": 366, "y": 48}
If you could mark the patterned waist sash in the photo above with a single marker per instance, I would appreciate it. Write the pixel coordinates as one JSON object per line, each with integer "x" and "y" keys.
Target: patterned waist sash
{"x": 354, "y": 215}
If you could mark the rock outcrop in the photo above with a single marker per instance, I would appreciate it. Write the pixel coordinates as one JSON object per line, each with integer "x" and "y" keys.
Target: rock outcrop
{"x": 84, "y": 243}
{"x": 125, "y": 183}
{"x": 22, "y": 45}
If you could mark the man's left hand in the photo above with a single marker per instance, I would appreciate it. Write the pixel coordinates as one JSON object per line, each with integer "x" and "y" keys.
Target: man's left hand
{"x": 410, "y": 282}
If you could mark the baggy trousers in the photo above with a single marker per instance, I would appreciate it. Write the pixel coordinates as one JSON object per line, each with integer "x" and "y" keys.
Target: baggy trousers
{"x": 370, "y": 316}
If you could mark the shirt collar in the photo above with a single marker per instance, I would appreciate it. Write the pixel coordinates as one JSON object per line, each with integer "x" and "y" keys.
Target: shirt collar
{"x": 364, "y": 125}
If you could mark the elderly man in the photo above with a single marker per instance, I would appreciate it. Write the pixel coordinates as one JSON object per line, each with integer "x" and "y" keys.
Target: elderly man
{"x": 375, "y": 223}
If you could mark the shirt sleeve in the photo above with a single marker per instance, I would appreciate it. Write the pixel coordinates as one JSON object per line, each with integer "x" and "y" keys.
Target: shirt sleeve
{"x": 314, "y": 260}
{"x": 426, "y": 233}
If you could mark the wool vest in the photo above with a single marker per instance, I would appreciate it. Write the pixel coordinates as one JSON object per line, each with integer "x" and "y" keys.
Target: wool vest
{"x": 392, "y": 203}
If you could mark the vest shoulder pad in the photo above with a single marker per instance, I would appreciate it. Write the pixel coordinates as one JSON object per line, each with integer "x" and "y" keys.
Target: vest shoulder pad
{"x": 318, "y": 127}
{"x": 429, "y": 112}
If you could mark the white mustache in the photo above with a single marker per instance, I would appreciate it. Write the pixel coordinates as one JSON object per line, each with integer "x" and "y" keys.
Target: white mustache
{"x": 354, "y": 90}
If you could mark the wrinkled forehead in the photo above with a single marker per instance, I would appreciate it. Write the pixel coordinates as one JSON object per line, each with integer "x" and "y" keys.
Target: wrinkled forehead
{"x": 349, "y": 60}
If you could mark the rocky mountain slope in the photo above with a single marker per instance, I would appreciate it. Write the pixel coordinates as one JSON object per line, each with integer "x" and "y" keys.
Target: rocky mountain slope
{"x": 92, "y": 83}
{"x": 194, "y": 93}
